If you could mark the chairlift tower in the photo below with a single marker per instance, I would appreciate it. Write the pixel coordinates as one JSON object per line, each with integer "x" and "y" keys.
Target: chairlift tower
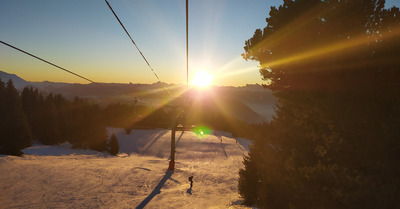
{"x": 178, "y": 123}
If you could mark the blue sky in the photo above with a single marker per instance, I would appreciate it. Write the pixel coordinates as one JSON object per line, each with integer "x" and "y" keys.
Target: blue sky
{"x": 84, "y": 37}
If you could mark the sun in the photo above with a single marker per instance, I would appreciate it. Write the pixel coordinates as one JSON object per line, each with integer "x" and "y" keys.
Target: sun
{"x": 202, "y": 79}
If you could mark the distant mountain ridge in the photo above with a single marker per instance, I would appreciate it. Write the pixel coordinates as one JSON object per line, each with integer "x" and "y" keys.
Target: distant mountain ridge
{"x": 19, "y": 83}
{"x": 256, "y": 102}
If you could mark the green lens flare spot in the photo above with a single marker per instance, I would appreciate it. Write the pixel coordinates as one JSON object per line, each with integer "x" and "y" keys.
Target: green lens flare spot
{"x": 202, "y": 131}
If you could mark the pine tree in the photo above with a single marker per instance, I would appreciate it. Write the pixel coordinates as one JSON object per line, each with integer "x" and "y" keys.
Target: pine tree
{"x": 248, "y": 180}
{"x": 3, "y": 112}
{"x": 42, "y": 116}
{"x": 14, "y": 130}
{"x": 113, "y": 145}
{"x": 49, "y": 122}
{"x": 128, "y": 131}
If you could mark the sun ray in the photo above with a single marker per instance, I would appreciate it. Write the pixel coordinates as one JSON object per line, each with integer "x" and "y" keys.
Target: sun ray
{"x": 298, "y": 24}
{"x": 361, "y": 40}
{"x": 152, "y": 107}
{"x": 237, "y": 72}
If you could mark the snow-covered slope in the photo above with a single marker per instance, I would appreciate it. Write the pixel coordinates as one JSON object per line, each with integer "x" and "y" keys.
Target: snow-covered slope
{"x": 61, "y": 177}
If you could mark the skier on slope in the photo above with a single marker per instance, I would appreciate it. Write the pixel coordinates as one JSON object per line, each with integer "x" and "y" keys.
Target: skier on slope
{"x": 191, "y": 181}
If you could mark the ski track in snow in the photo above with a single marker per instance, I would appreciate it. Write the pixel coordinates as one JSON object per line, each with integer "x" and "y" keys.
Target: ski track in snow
{"x": 61, "y": 177}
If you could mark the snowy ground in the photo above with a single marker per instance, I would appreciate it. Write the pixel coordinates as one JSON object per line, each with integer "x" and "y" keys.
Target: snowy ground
{"x": 61, "y": 177}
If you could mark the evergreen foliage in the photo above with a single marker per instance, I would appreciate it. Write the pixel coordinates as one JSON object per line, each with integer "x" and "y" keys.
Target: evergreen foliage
{"x": 15, "y": 133}
{"x": 120, "y": 115}
{"x": 42, "y": 115}
{"x": 334, "y": 143}
{"x": 113, "y": 145}
{"x": 248, "y": 182}
{"x": 128, "y": 131}
{"x": 54, "y": 120}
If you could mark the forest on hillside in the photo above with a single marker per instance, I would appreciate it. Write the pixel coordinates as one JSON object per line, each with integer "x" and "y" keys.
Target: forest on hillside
{"x": 30, "y": 116}
{"x": 33, "y": 116}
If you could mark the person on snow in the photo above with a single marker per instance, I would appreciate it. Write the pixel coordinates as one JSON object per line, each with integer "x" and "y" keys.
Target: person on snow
{"x": 191, "y": 181}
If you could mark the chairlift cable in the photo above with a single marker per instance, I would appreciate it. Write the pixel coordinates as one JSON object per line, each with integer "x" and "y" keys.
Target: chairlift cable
{"x": 61, "y": 68}
{"x": 43, "y": 60}
{"x": 127, "y": 33}
{"x": 147, "y": 62}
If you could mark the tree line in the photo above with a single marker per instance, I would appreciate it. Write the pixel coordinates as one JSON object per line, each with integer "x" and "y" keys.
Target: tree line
{"x": 335, "y": 139}
{"x": 31, "y": 116}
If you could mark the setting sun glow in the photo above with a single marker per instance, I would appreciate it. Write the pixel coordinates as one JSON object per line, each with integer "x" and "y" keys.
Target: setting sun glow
{"x": 202, "y": 79}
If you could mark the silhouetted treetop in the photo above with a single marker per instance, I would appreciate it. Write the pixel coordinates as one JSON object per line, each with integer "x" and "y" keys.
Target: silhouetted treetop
{"x": 308, "y": 42}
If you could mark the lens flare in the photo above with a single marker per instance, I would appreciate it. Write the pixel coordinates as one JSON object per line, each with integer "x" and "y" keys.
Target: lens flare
{"x": 202, "y": 131}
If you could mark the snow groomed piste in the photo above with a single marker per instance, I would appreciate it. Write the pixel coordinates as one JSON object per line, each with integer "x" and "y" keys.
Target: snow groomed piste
{"x": 61, "y": 177}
